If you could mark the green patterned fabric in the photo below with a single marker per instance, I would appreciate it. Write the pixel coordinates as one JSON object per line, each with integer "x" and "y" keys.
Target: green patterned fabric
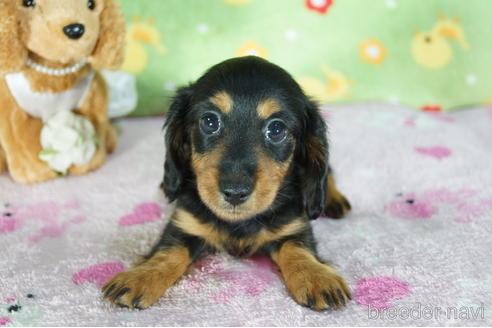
{"x": 428, "y": 54}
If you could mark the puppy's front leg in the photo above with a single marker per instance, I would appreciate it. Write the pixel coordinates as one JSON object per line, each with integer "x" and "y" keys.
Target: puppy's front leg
{"x": 310, "y": 282}
{"x": 143, "y": 285}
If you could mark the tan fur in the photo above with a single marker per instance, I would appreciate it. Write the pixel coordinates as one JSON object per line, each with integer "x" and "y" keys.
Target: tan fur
{"x": 26, "y": 33}
{"x": 105, "y": 131}
{"x": 309, "y": 280}
{"x": 222, "y": 241}
{"x": 267, "y": 108}
{"x": 269, "y": 178}
{"x": 268, "y": 181}
{"x": 148, "y": 281}
{"x": 3, "y": 161}
{"x": 19, "y": 139}
{"x": 337, "y": 205}
{"x": 206, "y": 168}
{"x": 48, "y": 40}
{"x": 223, "y": 101}
{"x": 13, "y": 53}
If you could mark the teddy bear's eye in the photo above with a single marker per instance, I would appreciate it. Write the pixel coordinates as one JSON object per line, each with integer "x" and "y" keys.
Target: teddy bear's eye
{"x": 91, "y": 4}
{"x": 28, "y": 3}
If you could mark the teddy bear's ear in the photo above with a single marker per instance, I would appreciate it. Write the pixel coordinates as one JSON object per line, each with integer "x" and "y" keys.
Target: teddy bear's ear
{"x": 109, "y": 50}
{"x": 13, "y": 54}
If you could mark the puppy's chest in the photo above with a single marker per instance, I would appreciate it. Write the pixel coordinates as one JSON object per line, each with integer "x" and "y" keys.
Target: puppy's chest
{"x": 238, "y": 241}
{"x": 236, "y": 244}
{"x": 241, "y": 247}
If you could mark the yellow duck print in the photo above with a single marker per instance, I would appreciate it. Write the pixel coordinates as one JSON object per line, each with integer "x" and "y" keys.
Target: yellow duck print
{"x": 432, "y": 49}
{"x": 334, "y": 88}
{"x": 139, "y": 33}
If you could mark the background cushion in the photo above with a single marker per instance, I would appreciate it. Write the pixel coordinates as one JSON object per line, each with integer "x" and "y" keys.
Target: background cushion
{"x": 432, "y": 54}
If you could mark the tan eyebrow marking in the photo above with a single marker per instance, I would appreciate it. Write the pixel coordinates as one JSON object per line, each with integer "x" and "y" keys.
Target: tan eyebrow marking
{"x": 267, "y": 107}
{"x": 223, "y": 101}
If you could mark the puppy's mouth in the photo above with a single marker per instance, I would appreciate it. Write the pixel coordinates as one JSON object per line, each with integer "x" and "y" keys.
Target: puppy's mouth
{"x": 230, "y": 212}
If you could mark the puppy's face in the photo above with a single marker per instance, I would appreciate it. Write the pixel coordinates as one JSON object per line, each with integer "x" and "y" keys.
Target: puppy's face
{"x": 242, "y": 148}
{"x": 60, "y": 30}
{"x": 238, "y": 131}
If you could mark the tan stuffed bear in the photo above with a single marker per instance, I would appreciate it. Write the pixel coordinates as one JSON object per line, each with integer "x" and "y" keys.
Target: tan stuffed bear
{"x": 53, "y": 104}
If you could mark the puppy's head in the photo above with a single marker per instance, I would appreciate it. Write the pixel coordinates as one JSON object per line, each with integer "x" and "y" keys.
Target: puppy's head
{"x": 64, "y": 31}
{"x": 240, "y": 134}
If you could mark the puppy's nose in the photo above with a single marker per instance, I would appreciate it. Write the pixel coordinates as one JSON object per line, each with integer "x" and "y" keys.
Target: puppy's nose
{"x": 236, "y": 194}
{"x": 74, "y": 31}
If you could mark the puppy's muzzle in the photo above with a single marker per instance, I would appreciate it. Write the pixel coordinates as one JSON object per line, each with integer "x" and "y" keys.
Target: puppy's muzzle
{"x": 74, "y": 31}
{"x": 236, "y": 190}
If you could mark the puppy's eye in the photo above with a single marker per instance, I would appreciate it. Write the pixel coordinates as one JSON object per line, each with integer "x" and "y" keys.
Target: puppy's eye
{"x": 29, "y": 3}
{"x": 210, "y": 123}
{"x": 276, "y": 131}
{"x": 91, "y": 4}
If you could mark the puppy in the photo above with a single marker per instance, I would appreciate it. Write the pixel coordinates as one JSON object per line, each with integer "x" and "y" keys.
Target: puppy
{"x": 247, "y": 164}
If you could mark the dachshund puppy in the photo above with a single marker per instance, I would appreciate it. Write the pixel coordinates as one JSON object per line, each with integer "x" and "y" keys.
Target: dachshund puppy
{"x": 247, "y": 164}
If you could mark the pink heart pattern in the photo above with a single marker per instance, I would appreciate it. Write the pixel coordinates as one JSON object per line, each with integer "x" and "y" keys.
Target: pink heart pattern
{"x": 98, "y": 274}
{"x": 142, "y": 213}
{"x": 378, "y": 291}
{"x": 436, "y": 151}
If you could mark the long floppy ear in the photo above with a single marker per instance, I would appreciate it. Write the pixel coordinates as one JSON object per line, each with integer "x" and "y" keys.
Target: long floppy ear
{"x": 313, "y": 161}
{"x": 178, "y": 146}
{"x": 13, "y": 53}
{"x": 109, "y": 50}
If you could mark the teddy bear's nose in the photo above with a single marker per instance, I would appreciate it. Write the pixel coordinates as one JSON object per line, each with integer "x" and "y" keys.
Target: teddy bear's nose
{"x": 74, "y": 31}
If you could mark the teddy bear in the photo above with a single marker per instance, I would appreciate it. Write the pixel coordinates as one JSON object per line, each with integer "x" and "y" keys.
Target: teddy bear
{"x": 53, "y": 99}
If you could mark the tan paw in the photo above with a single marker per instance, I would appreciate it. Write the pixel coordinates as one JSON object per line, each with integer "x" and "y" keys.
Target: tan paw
{"x": 142, "y": 286}
{"x": 318, "y": 287}
{"x": 111, "y": 139}
{"x": 337, "y": 206}
{"x": 135, "y": 289}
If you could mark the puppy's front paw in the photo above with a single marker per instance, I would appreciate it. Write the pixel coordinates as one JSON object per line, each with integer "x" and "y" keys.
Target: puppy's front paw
{"x": 337, "y": 206}
{"x": 318, "y": 287}
{"x": 135, "y": 289}
{"x": 143, "y": 285}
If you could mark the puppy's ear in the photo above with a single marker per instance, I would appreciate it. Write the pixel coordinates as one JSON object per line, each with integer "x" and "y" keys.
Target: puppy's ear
{"x": 109, "y": 50}
{"x": 13, "y": 53}
{"x": 178, "y": 146}
{"x": 312, "y": 160}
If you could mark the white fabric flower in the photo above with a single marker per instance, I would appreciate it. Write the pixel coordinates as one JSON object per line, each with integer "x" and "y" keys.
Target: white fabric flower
{"x": 67, "y": 139}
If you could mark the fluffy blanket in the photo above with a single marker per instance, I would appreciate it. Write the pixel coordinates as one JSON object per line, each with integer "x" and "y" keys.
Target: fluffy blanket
{"x": 416, "y": 250}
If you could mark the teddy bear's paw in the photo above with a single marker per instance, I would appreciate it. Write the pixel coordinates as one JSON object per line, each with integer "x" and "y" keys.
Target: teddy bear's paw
{"x": 96, "y": 162}
{"x": 111, "y": 139}
{"x": 30, "y": 172}
{"x": 3, "y": 162}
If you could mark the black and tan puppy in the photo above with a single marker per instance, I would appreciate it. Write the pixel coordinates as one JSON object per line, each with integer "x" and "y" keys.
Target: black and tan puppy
{"x": 247, "y": 163}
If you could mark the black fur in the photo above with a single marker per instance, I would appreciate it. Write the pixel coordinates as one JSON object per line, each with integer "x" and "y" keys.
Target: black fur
{"x": 247, "y": 157}
{"x": 304, "y": 190}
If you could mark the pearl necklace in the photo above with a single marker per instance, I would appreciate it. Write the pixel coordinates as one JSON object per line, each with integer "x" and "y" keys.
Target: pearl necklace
{"x": 56, "y": 71}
